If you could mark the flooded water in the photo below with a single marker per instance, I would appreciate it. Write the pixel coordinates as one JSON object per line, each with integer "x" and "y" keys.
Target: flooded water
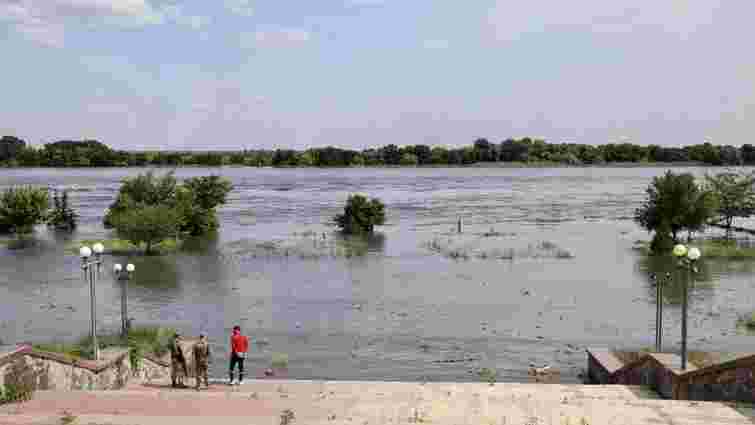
{"x": 415, "y": 302}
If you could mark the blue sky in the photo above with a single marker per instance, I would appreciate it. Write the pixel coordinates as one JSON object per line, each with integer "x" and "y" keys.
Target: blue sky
{"x": 228, "y": 74}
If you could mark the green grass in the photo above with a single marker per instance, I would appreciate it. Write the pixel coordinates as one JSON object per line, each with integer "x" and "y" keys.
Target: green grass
{"x": 718, "y": 248}
{"x": 710, "y": 248}
{"x": 142, "y": 340}
{"x": 120, "y": 246}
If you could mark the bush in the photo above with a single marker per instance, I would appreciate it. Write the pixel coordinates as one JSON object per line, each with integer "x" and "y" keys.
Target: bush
{"x": 149, "y": 225}
{"x": 361, "y": 215}
{"x": 62, "y": 217}
{"x": 18, "y": 386}
{"x": 748, "y": 321}
{"x": 21, "y": 208}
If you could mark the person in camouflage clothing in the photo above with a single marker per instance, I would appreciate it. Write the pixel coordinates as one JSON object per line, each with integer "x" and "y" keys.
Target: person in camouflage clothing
{"x": 178, "y": 367}
{"x": 202, "y": 360}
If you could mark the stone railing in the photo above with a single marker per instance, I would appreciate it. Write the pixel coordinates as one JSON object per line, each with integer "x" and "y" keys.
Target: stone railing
{"x": 41, "y": 370}
{"x": 731, "y": 380}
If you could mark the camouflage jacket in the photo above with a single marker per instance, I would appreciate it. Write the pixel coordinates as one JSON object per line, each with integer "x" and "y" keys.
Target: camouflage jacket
{"x": 176, "y": 353}
{"x": 202, "y": 353}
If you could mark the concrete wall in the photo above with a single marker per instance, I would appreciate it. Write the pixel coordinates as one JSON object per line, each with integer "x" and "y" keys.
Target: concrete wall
{"x": 48, "y": 371}
{"x": 730, "y": 381}
{"x": 596, "y": 372}
{"x": 733, "y": 383}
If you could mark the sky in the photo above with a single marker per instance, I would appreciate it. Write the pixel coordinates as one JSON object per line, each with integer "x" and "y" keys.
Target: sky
{"x": 235, "y": 74}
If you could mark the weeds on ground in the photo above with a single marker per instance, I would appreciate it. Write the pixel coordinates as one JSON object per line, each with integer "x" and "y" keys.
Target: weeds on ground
{"x": 287, "y": 417}
{"x": 67, "y": 418}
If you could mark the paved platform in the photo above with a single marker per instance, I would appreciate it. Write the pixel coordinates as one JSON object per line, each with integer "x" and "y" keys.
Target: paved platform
{"x": 316, "y": 402}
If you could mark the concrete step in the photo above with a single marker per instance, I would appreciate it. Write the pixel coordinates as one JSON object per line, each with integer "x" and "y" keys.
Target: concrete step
{"x": 370, "y": 402}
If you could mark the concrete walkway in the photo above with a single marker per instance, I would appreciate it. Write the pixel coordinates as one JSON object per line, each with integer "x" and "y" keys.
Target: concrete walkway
{"x": 264, "y": 401}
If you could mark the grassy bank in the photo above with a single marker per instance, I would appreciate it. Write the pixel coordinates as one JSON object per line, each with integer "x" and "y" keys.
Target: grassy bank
{"x": 141, "y": 340}
{"x": 710, "y": 248}
{"x": 123, "y": 247}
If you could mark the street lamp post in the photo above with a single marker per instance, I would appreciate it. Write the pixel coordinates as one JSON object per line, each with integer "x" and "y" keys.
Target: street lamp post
{"x": 659, "y": 282}
{"x": 91, "y": 267}
{"x": 688, "y": 258}
{"x": 124, "y": 276}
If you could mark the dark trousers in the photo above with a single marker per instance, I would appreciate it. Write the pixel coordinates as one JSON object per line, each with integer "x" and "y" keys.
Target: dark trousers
{"x": 236, "y": 360}
{"x": 178, "y": 371}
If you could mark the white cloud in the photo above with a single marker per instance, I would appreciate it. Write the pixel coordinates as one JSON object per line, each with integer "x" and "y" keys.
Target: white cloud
{"x": 46, "y": 21}
{"x": 275, "y": 38}
{"x": 240, "y": 7}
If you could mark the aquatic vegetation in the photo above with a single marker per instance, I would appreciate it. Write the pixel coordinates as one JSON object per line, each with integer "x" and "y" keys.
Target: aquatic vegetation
{"x": 280, "y": 360}
{"x": 747, "y": 321}
{"x": 464, "y": 248}
{"x": 307, "y": 246}
{"x": 711, "y": 248}
{"x": 121, "y": 246}
{"x": 488, "y": 375}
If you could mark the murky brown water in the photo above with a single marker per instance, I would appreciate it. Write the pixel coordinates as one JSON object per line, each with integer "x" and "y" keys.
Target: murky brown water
{"x": 389, "y": 308}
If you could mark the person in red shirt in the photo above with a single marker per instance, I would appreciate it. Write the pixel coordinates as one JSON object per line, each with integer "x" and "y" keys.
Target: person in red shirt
{"x": 239, "y": 347}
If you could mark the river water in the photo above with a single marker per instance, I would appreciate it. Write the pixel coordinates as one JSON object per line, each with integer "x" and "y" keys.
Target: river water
{"x": 402, "y": 305}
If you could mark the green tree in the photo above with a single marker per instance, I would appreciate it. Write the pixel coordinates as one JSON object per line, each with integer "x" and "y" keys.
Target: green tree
{"x": 148, "y": 225}
{"x": 357, "y": 161}
{"x": 360, "y": 215}
{"x": 142, "y": 190}
{"x": 439, "y": 155}
{"x": 675, "y": 203}
{"x": 735, "y": 195}
{"x": 409, "y": 159}
{"x": 62, "y": 217}
{"x": 21, "y": 208}
{"x": 196, "y": 201}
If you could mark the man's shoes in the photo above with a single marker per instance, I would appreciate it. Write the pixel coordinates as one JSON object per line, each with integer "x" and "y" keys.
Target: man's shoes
{"x": 232, "y": 382}
{"x": 240, "y": 382}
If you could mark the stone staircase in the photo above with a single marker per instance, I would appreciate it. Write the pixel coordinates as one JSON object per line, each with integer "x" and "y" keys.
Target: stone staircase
{"x": 315, "y": 402}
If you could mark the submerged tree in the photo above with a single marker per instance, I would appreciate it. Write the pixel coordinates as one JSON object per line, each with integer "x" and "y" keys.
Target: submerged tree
{"x": 62, "y": 217}
{"x": 360, "y": 215}
{"x": 735, "y": 195}
{"x": 142, "y": 190}
{"x": 674, "y": 203}
{"x": 191, "y": 205}
{"x": 21, "y": 208}
{"x": 149, "y": 225}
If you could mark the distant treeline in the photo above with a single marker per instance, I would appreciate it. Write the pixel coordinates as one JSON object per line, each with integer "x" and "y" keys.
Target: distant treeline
{"x": 15, "y": 152}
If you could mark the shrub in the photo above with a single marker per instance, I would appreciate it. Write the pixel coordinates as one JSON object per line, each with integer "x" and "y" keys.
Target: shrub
{"x": 361, "y": 215}
{"x": 21, "y": 208}
{"x": 62, "y": 217}
{"x": 280, "y": 360}
{"x": 18, "y": 386}
{"x": 748, "y": 321}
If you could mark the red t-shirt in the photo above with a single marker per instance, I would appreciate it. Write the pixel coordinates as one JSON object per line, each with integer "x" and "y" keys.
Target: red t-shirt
{"x": 239, "y": 344}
